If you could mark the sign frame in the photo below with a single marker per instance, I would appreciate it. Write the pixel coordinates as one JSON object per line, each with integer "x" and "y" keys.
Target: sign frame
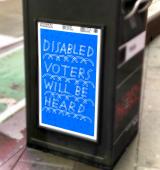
{"x": 98, "y": 78}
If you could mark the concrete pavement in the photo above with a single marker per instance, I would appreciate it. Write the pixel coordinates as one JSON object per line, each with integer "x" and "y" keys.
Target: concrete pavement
{"x": 11, "y": 18}
{"x": 149, "y": 142}
{"x": 11, "y": 31}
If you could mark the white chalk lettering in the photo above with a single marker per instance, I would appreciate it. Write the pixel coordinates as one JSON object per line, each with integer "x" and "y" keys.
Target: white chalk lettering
{"x": 70, "y": 49}
{"x": 81, "y": 73}
{"x": 56, "y": 68}
{"x": 81, "y": 91}
{"x": 63, "y": 49}
{"x": 47, "y": 66}
{"x": 82, "y": 50}
{"x": 89, "y": 74}
{"x": 78, "y": 91}
{"x": 84, "y": 92}
{"x": 48, "y": 84}
{"x": 63, "y": 106}
{"x": 81, "y": 108}
{"x": 62, "y": 88}
{"x": 74, "y": 50}
{"x": 72, "y": 107}
{"x": 90, "y": 51}
{"x": 47, "y": 101}
{"x": 68, "y": 71}
{"x": 55, "y": 103}
{"x": 53, "y": 45}
{"x": 46, "y": 45}
{"x": 56, "y": 87}
{"x": 65, "y": 68}
{"x": 73, "y": 72}
{"x": 58, "y": 47}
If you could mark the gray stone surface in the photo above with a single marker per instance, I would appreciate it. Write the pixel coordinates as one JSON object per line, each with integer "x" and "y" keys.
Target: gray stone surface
{"x": 146, "y": 168}
{"x": 149, "y": 143}
{"x": 128, "y": 160}
{"x": 11, "y": 18}
{"x": 149, "y": 146}
{"x": 33, "y": 160}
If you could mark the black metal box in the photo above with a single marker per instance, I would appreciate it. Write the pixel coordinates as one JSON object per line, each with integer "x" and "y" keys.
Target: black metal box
{"x": 83, "y": 62}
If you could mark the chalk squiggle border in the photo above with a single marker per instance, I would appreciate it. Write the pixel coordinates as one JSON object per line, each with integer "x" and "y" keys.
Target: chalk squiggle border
{"x": 74, "y": 58}
{"x": 67, "y": 114}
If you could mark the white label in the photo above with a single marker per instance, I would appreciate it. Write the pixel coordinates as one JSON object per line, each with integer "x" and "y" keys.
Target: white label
{"x": 134, "y": 46}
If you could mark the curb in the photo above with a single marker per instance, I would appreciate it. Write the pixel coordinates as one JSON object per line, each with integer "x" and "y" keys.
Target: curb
{"x": 13, "y": 45}
{"x": 12, "y": 110}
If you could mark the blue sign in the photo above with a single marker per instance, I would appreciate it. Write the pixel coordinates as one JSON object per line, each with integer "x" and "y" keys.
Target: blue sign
{"x": 69, "y": 66}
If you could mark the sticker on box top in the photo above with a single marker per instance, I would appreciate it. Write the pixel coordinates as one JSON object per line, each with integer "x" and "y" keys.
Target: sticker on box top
{"x": 133, "y": 47}
{"x": 69, "y": 66}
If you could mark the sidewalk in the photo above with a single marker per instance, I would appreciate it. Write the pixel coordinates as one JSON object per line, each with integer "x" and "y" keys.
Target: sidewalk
{"x": 11, "y": 18}
{"x": 142, "y": 154}
{"x": 11, "y": 29}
